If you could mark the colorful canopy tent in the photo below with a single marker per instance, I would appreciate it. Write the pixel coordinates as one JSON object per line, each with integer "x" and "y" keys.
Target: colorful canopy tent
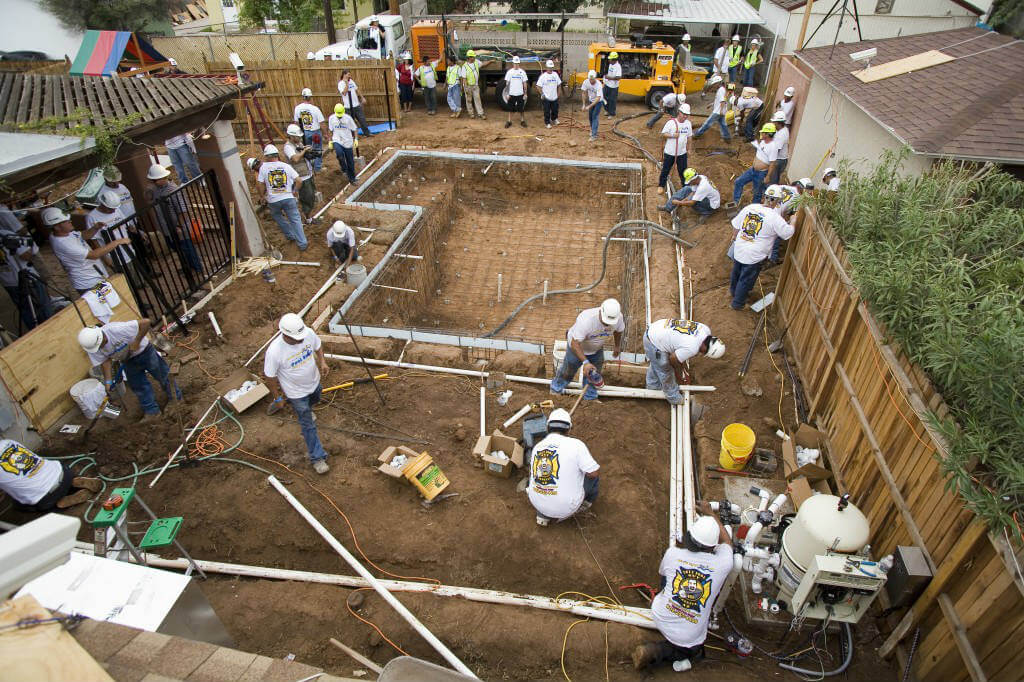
{"x": 102, "y": 52}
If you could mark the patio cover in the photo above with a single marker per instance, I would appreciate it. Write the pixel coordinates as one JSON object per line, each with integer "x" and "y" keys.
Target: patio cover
{"x": 102, "y": 51}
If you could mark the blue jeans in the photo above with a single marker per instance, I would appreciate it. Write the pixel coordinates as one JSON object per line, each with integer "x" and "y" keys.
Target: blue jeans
{"x": 703, "y": 207}
{"x": 595, "y": 118}
{"x": 742, "y": 281}
{"x": 750, "y": 123}
{"x": 670, "y": 112}
{"x": 780, "y": 167}
{"x": 286, "y": 215}
{"x": 304, "y": 411}
{"x": 667, "y": 161}
{"x": 660, "y": 375}
{"x": 570, "y": 365}
{"x": 710, "y": 122}
{"x": 346, "y": 160}
{"x": 307, "y": 138}
{"x": 182, "y": 158}
{"x": 748, "y": 176}
{"x": 732, "y": 73}
{"x": 550, "y": 107}
{"x": 455, "y": 98}
{"x": 611, "y": 99}
{"x": 748, "y": 76}
{"x": 430, "y": 98}
{"x": 135, "y": 370}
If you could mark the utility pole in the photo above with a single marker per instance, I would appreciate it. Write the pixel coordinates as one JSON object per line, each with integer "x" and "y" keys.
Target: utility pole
{"x": 332, "y": 37}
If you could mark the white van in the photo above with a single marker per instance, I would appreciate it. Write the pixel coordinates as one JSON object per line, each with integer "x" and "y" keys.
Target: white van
{"x": 394, "y": 39}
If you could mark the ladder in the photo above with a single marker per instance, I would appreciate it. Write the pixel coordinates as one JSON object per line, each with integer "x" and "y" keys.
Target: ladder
{"x": 113, "y": 518}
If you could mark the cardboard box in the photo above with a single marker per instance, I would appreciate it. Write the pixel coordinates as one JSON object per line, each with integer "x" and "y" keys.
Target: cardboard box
{"x": 389, "y": 454}
{"x": 499, "y": 441}
{"x": 800, "y": 489}
{"x": 808, "y": 437}
{"x": 235, "y": 380}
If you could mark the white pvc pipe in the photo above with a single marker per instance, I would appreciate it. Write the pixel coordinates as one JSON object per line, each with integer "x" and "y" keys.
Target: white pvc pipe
{"x": 175, "y": 453}
{"x": 407, "y": 615}
{"x": 514, "y": 418}
{"x": 499, "y": 287}
{"x": 647, "y": 282}
{"x": 385, "y": 286}
{"x": 213, "y": 321}
{"x": 689, "y": 503}
{"x": 406, "y": 255}
{"x": 483, "y": 411}
{"x": 672, "y": 509}
{"x": 544, "y": 301}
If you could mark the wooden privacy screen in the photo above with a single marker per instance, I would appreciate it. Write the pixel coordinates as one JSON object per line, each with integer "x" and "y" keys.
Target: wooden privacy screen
{"x": 40, "y": 368}
{"x": 873, "y": 404}
{"x": 283, "y": 81}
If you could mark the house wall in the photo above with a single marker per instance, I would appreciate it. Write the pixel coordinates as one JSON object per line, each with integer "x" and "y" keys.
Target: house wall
{"x": 831, "y": 128}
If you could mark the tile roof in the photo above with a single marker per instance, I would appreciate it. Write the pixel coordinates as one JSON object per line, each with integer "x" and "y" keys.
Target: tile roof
{"x": 969, "y": 108}
{"x": 687, "y": 11}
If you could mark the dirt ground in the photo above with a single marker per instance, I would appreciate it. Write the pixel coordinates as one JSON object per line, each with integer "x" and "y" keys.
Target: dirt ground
{"x": 486, "y": 537}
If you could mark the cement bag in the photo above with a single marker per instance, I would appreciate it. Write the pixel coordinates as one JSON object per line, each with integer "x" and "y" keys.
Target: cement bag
{"x": 88, "y": 394}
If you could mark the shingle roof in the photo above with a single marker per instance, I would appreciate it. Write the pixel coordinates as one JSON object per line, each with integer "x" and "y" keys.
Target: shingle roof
{"x": 969, "y": 108}
{"x": 687, "y": 11}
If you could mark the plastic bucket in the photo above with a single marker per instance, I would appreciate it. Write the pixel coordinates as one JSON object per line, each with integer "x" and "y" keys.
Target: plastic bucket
{"x": 737, "y": 444}
{"x": 88, "y": 394}
{"x": 428, "y": 478}
{"x": 355, "y": 274}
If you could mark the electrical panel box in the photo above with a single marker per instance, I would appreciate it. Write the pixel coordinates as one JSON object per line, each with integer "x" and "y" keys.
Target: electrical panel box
{"x": 908, "y": 576}
{"x": 839, "y": 587}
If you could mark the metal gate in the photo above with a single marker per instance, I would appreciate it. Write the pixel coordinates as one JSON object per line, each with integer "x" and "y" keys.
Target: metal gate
{"x": 178, "y": 243}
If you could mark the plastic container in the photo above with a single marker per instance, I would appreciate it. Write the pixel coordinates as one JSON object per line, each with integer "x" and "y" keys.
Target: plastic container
{"x": 88, "y": 394}
{"x": 737, "y": 444}
{"x": 428, "y": 478}
{"x": 355, "y": 273}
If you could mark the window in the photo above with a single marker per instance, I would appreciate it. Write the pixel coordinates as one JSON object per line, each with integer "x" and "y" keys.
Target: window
{"x": 884, "y": 6}
{"x": 398, "y": 29}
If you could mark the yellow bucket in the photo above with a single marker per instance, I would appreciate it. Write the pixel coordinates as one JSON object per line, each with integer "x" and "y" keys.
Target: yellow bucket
{"x": 737, "y": 444}
{"x": 428, "y": 478}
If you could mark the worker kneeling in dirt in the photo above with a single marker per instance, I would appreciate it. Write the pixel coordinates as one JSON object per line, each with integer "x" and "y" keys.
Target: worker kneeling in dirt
{"x": 563, "y": 473}
{"x": 692, "y": 575}
{"x": 668, "y": 344}
{"x": 586, "y": 339}
{"x": 699, "y": 193}
{"x": 38, "y": 484}
{"x": 341, "y": 240}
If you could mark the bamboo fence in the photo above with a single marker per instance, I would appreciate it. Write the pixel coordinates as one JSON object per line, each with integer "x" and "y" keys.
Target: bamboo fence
{"x": 873, "y": 404}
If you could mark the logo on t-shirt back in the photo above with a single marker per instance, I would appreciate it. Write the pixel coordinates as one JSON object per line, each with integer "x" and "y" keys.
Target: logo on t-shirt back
{"x": 752, "y": 225}
{"x": 545, "y": 471}
{"x": 684, "y": 326}
{"x": 691, "y": 589}
{"x": 306, "y": 119}
{"x": 277, "y": 180}
{"x": 18, "y": 461}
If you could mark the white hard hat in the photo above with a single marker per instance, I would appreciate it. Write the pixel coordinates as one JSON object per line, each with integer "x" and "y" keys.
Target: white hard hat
{"x": 306, "y": 92}
{"x": 715, "y": 79}
{"x": 292, "y": 326}
{"x": 716, "y": 348}
{"x": 611, "y": 312}
{"x": 515, "y": 59}
{"x": 680, "y": 97}
{"x": 790, "y": 91}
{"x": 270, "y": 150}
{"x": 112, "y": 174}
{"x": 156, "y": 171}
{"x": 560, "y": 416}
{"x": 172, "y": 61}
{"x": 109, "y": 198}
{"x": 339, "y": 228}
{"x": 550, "y": 64}
{"x": 779, "y": 117}
{"x": 251, "y": 162}
{"x": 827, "y": 172}
{"x": 704, "y": 531}
{"x": 736, "y": 37}
{"x": 54, "y": 216}
{"x": 755, "y": 41}
{"x": 90, "y": 339}
{"x": 591, "y": 74}
{"x": 773, "y": 192}
{"x": 806, "y": 183}
{"x": 684, "y": 108}
{"x": 686, "y": 37}
{"x": 310, "y": 55}
{"x": 293, "y": 129}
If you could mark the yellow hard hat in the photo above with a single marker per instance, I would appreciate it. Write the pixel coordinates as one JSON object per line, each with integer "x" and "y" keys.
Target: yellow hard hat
{"x": 339, "y": 109}
{"x": 613, "y": 55}
{"x": 689, "y": 174}
{"x": 769, "y": 128}
{"x": 470, "y": 53}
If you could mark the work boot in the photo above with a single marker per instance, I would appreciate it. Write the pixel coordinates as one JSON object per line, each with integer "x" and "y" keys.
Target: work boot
{"x": 483, "y": 117}
{"x": 644, "y": 655}
{"x": 320, "y": 466}
{"x": 508, "y": 124}
{"x": 522, "y": 123}
{"x": 149, "y": 418}
{"x": 74, "y": 499}
{"x": 91, "y": 484}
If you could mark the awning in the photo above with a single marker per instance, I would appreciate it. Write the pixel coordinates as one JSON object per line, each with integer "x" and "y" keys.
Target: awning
{"x": 687, "y": 11}
{"x": 102, "y": 51}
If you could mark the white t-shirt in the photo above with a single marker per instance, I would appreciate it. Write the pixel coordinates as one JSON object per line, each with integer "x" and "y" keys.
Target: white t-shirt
{"x": 692, "y": 583}
{"x": 680, "y": 337}
{"x": 669, "y": 101}
{"x": 744, "y": 103}
{"x": 591, "y": 332}
{"x": 178, "y": 141}
{"x": 279, "y": 177}
{"x": 594, "y": 90}
{"x": 559, "y": 465}
{"x": 96, "y": 217}
{"x": 294, "y": 365}
{"x": 308, "y": 116}
{"x": 719, "y": 106}
{"x": 789, "y": 197}
{"x": 833, "y": 184}
{"x": 426, "y": 76}
{"x": 343, "y": 128}
{"x": 787, "y": 109}
{"x": 118, "y": 336}
{"x": 707, "y": 190}
{"x": 614, "y": 74}
{"x": 127, "y": 206}
{"x": 548, "y": 82}
{"x": 676, "y": 135}
{"x": 781, "y": 140}
{"x": 721, "y": 61}
{"x": 24, "y": 475}
{"x": 766, "y": 151}
{"x": 8, "y": 221}
{"x": 349, "y": 98}
{"x": 516, "y": 79}
{"x": 349, "y": 238}
{"x": 72, "y": 252}
{"x": 305, "y": 168}
{"x": 757, "y": 226}
{"x": 11, "y": 265}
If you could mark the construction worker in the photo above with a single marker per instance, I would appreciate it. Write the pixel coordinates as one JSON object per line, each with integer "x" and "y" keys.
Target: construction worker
{"x": 697, "y": 192}
{"x": 182, "y": 150}
{"x": 592, "y": 93}
{"x": 127, "y": 343}
{"x": 676, "y": 133}
{"x": 406, "y": 82}
{"x": 426, "y": 76}
{"x": 173, "y": 219}
{"x": 22, "y": 280}
{"x": 37, "y": 484}
{"x": 804, "y": 186}
{"x": 611, "y": 84}
{"x": 563, "y": 474}
{"x": 781, "y": 147}
{"x": 693, "y": 572}
{"x": 102, "y": 220}
{"x": 471, "y": 85}
{"x": 785, "y": 206}
{"x": 311, "y": 120}
{"x": 353, "y": 100}
{"x": 453, "y": 78}
{"x": 787, "y": 104}
{"x": 830, "y": 180}
{"x": 717, "y": 110}
{"x": 766, "y": 155}
{"x": 668, "y": 344}
{"x": 668, "y": 105}
{"x": 344, "y": 135}
{"x": 721, "y": 61}
{"x": 735, "y": 56}
{"x": 548, "y": 84}
{"x": 585, "y": 342}
{"x": 684, "y": 54}
{"x": 756, "y": 228}
{"x": 516, "y": 83}
{"x": 279, "y": 186}
{"x": 751, "y": 61}
{"x": 299, "y": 156}
{"x": 341, "y": 240}
{"x": 81, "y": 262}
{"x": 112, "y": 180}
{"x": 293, "y": 366}
{"x": 747, "y": 111}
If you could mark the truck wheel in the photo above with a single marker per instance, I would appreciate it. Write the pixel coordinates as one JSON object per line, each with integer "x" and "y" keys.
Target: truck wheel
{"x": 499, "y": 96}
{"x": 654, "y": 97}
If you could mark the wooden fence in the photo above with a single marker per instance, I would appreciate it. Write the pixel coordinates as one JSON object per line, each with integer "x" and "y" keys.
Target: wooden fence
{"x": 283, "y": 81}
{"x": 36, "y": 68}
{"x": 873, "y": 404}
{"x": 192, "y": 52}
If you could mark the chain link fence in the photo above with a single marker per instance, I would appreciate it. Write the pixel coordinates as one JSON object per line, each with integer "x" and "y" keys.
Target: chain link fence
{"x": 194, "y": 51}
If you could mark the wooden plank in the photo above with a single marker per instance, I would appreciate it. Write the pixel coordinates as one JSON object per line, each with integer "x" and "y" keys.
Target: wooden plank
{"x": 960, "y": 637}
{"x": 1007, "y": 555}
{"x": 898, "y": 67}
{"x": 42, "y": 653}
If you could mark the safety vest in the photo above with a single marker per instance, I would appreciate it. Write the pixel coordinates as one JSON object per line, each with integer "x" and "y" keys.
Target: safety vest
{"x": 472, "y": 72}
{"x": 452, "y": 74}
{"x": 751, "y": 58}
{"x": 423, "y": 75}
{"x": 735, "y": 55}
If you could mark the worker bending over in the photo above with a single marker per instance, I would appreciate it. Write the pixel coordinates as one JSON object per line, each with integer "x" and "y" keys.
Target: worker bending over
{"x": 757, "y": 226}
{"x": 669, "y": 105}
{"x": 668, "y": 344}
{"x": 717, "y": 110}
{"x": 341, "y": 240}
{"x": 592, "y": 93}
{"x": 37, "y": 484}
{"x": 585, "y": 345}
{"x": 697, "y": 192}
{"x": 563, "y": 473}
{"x": 693, "y": 573}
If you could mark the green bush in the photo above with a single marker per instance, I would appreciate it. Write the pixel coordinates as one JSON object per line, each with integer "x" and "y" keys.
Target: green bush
{"x": 940, "y": 261}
